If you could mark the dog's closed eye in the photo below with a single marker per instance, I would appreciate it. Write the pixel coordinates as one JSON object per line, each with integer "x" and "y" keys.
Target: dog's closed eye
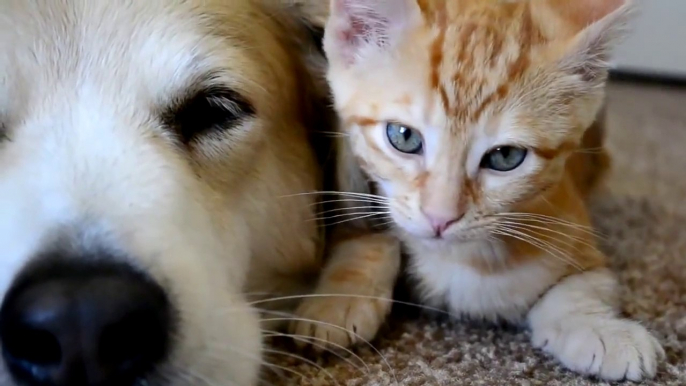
{"x": 3, "y": 132}
{"x": 210, "y": 110}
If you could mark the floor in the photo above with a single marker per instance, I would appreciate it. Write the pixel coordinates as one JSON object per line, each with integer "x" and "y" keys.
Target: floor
{"x": 643, "y": 215}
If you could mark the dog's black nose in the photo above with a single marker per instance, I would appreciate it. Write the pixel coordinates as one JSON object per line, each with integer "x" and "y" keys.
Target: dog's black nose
{"x": 83, "y": 324}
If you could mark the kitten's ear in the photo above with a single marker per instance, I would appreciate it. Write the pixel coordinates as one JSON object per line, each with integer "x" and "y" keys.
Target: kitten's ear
{"x": 358, "y": 27}
{"x": 596, "y": 26}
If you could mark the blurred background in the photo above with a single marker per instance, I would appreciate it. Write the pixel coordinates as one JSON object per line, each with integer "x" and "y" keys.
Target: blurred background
{"x": 657, "y": 46}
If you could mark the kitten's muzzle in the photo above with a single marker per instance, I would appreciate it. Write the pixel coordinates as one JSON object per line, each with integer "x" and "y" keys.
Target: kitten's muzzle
{"x": 440, "y": 222}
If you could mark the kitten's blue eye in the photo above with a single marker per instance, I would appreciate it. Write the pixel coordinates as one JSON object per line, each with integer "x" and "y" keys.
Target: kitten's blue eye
{"x": 404, "y": 139}
{"x": 504, "y": 159}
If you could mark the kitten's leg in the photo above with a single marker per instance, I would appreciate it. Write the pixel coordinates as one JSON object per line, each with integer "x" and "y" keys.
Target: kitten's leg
{"x": 354, "y": 293}
{"x": 577, "y": 322}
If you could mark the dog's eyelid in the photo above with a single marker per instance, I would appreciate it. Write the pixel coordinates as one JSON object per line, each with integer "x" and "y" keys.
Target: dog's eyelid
{"x": 214, "y": 108}
{"x": 225, "y": 97}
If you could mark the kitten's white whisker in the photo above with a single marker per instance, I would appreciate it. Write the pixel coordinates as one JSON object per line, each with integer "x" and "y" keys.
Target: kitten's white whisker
{"x": 552, "y": 239}
{"x": 541, "y": 216}
{"x": 538, "y": 244}
{"x": 577, "y": 239}
{"x": 546, "y": 246}
{"x": 543, "y": 219}
{"x": 541, "y": 244}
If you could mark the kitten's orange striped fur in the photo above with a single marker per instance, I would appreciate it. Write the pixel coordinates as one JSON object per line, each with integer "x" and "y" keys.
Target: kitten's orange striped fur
{"x": 475, "y": 83}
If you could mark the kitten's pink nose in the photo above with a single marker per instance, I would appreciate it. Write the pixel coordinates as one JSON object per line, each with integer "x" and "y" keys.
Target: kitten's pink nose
{"x": 441, "y": 222}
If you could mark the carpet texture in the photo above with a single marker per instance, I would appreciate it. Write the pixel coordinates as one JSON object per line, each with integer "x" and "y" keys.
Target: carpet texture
{"x": 642, "y": 213}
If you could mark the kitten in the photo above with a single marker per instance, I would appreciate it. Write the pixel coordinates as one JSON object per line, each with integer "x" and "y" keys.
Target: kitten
{"x": 471, "y": 118}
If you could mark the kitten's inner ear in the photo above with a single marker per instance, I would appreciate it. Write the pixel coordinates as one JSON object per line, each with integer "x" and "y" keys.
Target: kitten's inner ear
{"x": 592, "y": 28}
{"x": 359, "y": 27}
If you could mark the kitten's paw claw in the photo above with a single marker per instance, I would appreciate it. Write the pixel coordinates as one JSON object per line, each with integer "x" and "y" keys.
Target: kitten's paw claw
{"x": 611, "y": 349}
{"x": 338, "y": 322}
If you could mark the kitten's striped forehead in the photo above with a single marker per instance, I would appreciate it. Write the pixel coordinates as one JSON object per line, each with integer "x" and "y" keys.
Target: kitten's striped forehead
{"x": 478, "y": 53}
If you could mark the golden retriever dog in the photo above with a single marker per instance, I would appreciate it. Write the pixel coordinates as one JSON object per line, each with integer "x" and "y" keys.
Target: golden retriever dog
{"x": 151, "y": 159}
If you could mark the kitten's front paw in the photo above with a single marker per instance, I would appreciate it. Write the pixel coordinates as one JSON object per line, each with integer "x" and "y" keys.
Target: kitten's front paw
{"x": 340, "y": 321}
{"x": 609, "y": 348}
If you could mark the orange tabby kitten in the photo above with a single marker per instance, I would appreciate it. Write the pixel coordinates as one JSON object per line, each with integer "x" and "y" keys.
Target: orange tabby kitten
{"x": 469, "y": 116}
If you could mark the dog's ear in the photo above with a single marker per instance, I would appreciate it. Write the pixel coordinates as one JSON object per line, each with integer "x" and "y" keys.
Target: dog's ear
{"x": 310, "y": 17}
{"x": 314, "y": 15}
{"x": 315, "y": 12}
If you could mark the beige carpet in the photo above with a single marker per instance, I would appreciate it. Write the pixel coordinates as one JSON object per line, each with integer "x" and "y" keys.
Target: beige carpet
{"x": 643, "y": 214}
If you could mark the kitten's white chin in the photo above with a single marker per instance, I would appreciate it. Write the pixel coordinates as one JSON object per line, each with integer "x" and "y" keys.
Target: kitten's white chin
{"x": 413, "y": 230}
{"x": 417, "y": 234}
{"x": 429, "y": 238}
{"x": 445, "y": 244}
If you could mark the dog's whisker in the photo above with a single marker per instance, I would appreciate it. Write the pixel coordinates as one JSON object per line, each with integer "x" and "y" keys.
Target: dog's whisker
{"x": 355, "y": 219}
{"x": 590, "y": 150}
{"x": 363, "y": 214}
{"x": 353, "y": 333}
{"x": 386, "y": 223}
{"x": 301, "y": 358}
{"x": 372, "y": 197}
{"x": 333, "y": 134}
{"x": 251, "y": 294}
{"x": 370, "y": 207}
{"x": 351, "y": 296}
{"x": 193, "y": 377}
{"x": 311, "y": 340}
{"x": 348, "y": 200}
{"x": 274, "y": 367}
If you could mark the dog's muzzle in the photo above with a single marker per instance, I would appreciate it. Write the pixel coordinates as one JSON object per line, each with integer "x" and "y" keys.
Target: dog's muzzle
{"x": 83, "y": 321}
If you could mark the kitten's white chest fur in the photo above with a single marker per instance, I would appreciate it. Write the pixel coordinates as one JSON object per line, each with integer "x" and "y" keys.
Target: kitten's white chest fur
{"x": 446, "y": 279}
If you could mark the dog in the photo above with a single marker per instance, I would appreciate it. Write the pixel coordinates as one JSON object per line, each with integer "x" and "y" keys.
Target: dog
{"x": 152, "y": 159}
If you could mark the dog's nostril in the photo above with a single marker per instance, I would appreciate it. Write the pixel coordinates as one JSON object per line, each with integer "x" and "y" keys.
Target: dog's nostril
{"x": 128, "y": 342}
{"x": 21, "y": 342}
{"x": 81, "y": 324}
